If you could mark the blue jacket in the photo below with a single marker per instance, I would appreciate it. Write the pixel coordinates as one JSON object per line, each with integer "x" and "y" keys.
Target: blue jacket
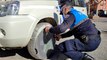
{"x": 73, "y": 19}
{"x": 79, "y": 17}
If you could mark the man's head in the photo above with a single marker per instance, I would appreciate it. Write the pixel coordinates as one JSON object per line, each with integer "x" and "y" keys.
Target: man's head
{"x": 62, "y": 2}
{"x": 66, "y": 7}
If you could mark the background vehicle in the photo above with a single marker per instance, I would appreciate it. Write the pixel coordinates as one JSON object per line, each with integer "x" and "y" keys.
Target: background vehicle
{"x": 97, "y": 7}
{"x": 102, "y": 8}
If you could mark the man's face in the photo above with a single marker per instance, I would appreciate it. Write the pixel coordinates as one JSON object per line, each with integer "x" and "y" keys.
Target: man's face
{"x": 65, "y": 9}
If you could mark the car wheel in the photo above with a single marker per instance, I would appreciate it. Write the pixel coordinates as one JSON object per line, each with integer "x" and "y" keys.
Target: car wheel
{"x": 41, "y": 43}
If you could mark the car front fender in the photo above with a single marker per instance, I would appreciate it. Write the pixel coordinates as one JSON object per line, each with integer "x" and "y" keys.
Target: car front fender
{"x": 17, "y": 29}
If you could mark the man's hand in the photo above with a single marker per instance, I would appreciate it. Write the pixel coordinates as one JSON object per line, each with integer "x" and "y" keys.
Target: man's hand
{"x": 47, "y": 29}
{"x": 57, "y": 37}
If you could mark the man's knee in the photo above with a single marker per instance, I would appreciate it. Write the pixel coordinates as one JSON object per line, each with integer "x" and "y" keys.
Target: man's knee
{"x": 61, "y": 46}
{"x": 66, "y": 45}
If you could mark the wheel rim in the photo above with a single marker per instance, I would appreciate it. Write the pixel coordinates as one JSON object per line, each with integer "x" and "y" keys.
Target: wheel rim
{"x": 41, "y": 43}
{"x": 44, "y": 44}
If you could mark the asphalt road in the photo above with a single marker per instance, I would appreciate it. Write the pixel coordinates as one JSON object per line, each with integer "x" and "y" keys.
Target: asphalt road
{"x": 99, "y": 54}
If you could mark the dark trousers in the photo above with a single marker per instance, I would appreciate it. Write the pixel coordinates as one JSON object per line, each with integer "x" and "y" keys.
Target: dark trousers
{"x": 73, "y": 48}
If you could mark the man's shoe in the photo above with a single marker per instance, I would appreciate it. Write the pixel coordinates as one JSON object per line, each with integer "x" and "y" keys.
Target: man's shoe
{"x": 87, "y": 57}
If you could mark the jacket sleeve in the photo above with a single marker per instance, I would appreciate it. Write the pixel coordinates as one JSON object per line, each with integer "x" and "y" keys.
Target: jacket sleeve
{"x": 67, "y": 34}
{"x": 64, "y": 26}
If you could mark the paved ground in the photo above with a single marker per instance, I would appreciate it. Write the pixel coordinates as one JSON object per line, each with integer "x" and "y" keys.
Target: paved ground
{"x": 101, "y": 23}
{"x": 99, "y": 54}
{"x": 16, "y": 54}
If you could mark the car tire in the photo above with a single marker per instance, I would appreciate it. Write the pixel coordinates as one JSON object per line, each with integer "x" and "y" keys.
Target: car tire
{"x": 41, "y": 43}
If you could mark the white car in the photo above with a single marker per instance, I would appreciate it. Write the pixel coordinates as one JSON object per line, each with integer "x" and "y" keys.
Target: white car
{"x": 22, "y": 24}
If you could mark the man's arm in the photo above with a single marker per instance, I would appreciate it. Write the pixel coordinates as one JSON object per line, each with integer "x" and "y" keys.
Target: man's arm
{"x": 67, "y": 34}
{"x": 64, "y": 26}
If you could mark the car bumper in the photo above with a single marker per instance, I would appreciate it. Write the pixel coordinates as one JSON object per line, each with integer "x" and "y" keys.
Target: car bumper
{"x": 16, "y": 30}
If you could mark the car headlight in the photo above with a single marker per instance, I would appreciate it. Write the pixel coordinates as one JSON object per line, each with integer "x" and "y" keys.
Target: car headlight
{"x": 9, "y": 8}
{"x": 2, "y": 10}
{"x": 13, "y": 8}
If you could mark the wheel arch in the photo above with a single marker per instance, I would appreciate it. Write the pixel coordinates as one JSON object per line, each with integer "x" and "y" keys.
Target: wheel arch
{"x": 50, "y": 20}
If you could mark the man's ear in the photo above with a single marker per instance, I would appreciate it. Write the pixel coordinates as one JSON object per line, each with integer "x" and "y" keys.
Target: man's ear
{"x": 67, "y": 9}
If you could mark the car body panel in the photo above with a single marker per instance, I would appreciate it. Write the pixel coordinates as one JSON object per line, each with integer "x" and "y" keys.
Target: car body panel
{"x": 18, "y": 30}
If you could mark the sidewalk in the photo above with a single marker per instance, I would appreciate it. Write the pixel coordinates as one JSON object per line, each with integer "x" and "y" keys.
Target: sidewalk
{"x": 101, "y": 22}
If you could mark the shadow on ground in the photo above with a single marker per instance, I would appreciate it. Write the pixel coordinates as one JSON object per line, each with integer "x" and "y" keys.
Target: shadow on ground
{"x": 22, "y": 52}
